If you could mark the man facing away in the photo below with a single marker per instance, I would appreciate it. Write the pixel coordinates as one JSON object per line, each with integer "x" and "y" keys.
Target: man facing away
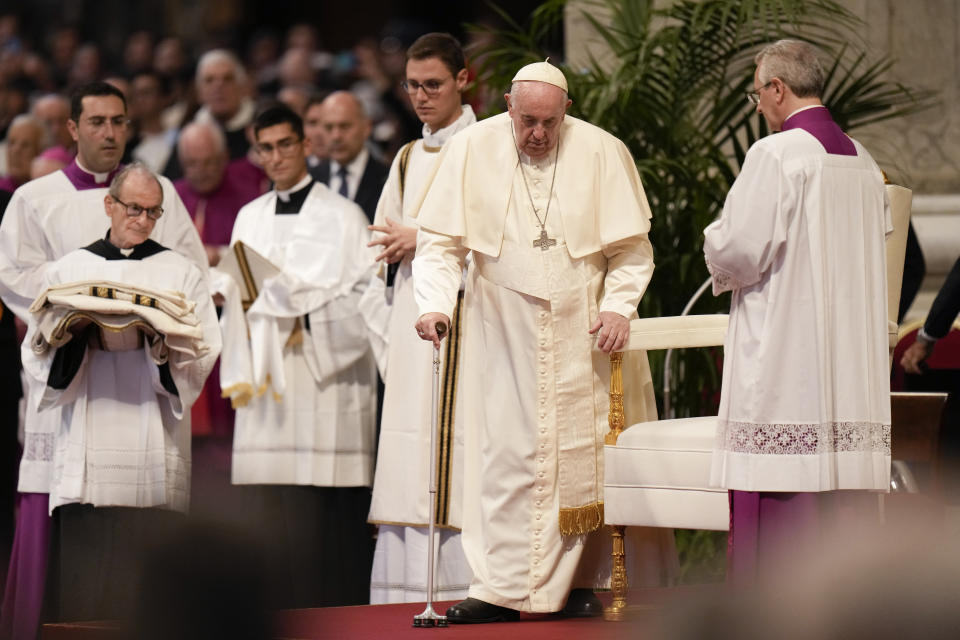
{"x": 46, "y": 219}
{"x": 436, "y": 75}
{"x": 350, "y": 170}
{"x": 805, "y": 404}
{"x": 305, "y": 449}
{"x": 555, "y": 215}
{"x": 121, "y": 451}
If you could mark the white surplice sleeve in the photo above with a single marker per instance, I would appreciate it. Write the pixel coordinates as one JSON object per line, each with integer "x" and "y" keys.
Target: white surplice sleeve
{"x": 189, "y": 373}
{"x": 437, "y": 272}
{"x": 629, "y": 269}
{"x": 327, "y": 267}
{"x": 24, "y": 253}
{"x": 743, "y": 243}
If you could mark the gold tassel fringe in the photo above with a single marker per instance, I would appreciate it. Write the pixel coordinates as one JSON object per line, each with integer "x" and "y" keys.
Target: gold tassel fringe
{"x": 239, "y": 394}
{"x": 579, "y": 520}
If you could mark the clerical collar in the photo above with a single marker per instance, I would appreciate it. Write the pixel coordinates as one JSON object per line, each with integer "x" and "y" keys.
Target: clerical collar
{"x": 291, "y": 200}
{"x": 809, "y": 106}
{"x": 83, "y": 178}
{"x": 433, "y": 141}
{"x": 239, "y": 120}
{"x": 109, "y": 251}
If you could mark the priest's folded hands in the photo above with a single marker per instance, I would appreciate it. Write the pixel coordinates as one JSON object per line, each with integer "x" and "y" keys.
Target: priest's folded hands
{"x": 612, "y": 331}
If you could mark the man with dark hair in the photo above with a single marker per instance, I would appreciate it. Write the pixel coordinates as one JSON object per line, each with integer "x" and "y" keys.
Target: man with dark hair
{"x": 304, "y": 450}
{"x": 154, "y": 142}
{"x": 46, "y": 219}
{"x": 435, "y": 80}
{"x": 313, "y": 129}
{"x": 350, "y": 170}
{"x": 122, "y": 338}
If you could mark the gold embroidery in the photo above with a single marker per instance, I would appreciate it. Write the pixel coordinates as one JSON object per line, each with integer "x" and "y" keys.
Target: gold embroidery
{"x": 448, "y": 395}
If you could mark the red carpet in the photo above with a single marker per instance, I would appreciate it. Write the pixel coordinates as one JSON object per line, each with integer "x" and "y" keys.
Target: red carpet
{"x": 395, "y": 622}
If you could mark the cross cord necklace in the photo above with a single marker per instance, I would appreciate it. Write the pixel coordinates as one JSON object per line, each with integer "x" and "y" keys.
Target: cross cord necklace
{"x": 543, "y": 242}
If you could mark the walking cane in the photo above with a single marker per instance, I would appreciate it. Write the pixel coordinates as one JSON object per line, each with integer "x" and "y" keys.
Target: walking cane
{"x": 429, "y": 617}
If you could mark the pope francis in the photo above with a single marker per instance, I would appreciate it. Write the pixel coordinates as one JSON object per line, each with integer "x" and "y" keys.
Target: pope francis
{"x": 555, "y": 215}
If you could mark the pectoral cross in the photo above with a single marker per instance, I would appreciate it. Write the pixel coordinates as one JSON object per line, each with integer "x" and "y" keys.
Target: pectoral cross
{"x": 544, "y": 242}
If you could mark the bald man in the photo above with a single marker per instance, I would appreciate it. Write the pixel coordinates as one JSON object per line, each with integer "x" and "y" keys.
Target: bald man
{"x": 53, "y": 110}
{"x": 213, "y": 188}
{"x": 350, "y": 169}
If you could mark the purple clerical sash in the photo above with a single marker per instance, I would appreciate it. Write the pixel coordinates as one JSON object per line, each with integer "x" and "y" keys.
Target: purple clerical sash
{"x": 818, "y": 123}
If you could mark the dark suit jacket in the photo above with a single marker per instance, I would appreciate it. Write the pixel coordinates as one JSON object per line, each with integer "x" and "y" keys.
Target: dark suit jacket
{"x": 946, "y": 305}
{"x": 9, "y": 345}
{"x": 370, "y": 187}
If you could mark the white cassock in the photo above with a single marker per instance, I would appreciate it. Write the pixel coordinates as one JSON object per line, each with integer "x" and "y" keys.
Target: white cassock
{"x": 312, "y": 417}
{"x": 401, "y": 502}
{"x": 46, "y": 219}
{"x": 535, "y": 390}
{"x": 805, "y": 404}
{"x": 121, "y": 440}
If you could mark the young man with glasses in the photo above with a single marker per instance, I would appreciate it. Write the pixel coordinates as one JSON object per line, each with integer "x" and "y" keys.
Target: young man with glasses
{"x": 436, "y": 76}
{"x": 46, "y": 219}
{"x": 142, "y": 336}
{"x": 303, "y": 443}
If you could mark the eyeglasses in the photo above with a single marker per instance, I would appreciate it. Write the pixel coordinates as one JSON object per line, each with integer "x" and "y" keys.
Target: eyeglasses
{"x": 286, "y": 147}
{"x": 430, "y": 87}
{"x": 99, "y": 122}
{"x": 134, "y": 210}
{"x": 754, "y": 96}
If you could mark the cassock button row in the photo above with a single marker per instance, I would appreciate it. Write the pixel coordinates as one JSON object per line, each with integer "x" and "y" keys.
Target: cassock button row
{"x": 538, "y": 516}
{"x": 543, "y": 430}
{"x": 543, "y": 356}
{"x": 536, "y": 546}
{"x": 543, "y": 387}
{"x": 540, "y": 474}
{"x": 543, "y": 400}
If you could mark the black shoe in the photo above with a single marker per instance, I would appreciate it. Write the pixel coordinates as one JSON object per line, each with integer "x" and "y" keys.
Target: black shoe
{"x": 582, "y": 603}
{"x": 472, "y": 611}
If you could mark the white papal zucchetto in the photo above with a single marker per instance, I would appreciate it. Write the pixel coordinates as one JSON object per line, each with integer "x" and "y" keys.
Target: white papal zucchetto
{"x": 541, "y": 72}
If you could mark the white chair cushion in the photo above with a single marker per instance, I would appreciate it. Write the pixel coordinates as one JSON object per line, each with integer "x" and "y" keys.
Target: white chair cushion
{"x": 658, "y": 475}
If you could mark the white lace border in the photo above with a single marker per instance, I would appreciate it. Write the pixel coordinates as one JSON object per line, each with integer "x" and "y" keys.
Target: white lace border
{"x": 803, "y": 438}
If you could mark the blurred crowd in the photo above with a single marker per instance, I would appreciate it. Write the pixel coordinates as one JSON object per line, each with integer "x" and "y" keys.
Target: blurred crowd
{"x": 168, "y": 85}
